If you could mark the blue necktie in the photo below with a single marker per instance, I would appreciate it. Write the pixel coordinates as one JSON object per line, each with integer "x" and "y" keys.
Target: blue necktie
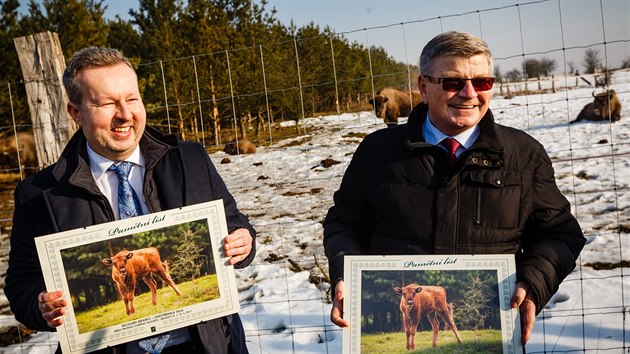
{"x": 128, "y": 202}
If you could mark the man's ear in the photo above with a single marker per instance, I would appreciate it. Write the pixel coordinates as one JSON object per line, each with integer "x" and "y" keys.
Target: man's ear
{"x": 73, "y": 111}
{"x": 422, "y": 86}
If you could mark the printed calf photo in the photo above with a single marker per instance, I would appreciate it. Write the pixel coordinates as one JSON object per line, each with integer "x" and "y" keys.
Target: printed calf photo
{"x": 452, "y": 303}
{"x": 139, "y": 275}
{"x": 135, "y": 277}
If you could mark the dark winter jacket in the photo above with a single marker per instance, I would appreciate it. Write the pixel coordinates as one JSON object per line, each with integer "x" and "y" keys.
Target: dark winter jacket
{"x": 64, "y": 196}
{"x": 400, "y": 197}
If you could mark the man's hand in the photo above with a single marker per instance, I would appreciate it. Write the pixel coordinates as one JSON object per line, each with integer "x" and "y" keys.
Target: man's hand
{"x": 238, "y": 245}
{"x": 52, "y": 307}
{"x": 336, "y": 313}
{"x": 527, "y": 308}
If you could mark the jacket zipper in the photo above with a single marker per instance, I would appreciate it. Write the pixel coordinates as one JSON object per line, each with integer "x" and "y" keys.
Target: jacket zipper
{"x": 477, "y": 207}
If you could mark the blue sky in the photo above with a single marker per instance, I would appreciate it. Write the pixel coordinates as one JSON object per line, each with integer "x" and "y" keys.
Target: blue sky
{"x": 499, "y": 22}
{"x": 538, "y": 21}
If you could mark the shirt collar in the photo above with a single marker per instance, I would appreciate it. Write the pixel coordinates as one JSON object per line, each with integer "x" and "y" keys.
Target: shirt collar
{"x": 433, "y": 135}
{"x": 100, "y": 164}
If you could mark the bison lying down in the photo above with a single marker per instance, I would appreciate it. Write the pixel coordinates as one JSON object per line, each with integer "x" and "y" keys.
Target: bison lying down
{"x": 390, "y": 103}
{"x": 23, "y": 147}
{"x": 240, "y": 146}
{"x": 605, "y": 107}
{"x": 129, "y": 266}
{"x": 429, "y": 300}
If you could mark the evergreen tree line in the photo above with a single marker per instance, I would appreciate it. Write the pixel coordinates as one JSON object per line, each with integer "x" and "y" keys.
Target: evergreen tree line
{"x": 208, "y": 70}
{"x": 211, "y": 70}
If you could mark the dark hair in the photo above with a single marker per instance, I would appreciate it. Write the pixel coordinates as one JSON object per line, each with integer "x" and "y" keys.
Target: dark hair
{"x": 86, "y": 58}
{"x": 452, "y": 43}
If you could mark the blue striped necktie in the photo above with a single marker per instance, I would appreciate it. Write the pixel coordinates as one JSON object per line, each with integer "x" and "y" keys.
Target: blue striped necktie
{"x": 128, "y": 202}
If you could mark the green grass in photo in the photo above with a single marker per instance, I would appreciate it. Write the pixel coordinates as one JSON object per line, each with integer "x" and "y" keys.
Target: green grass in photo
{"x": 205, "y": 289}
{"x": 474, "y": 342}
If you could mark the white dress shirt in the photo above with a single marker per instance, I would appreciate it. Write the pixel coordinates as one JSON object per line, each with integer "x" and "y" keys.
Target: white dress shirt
{"x": 107, "y": 181}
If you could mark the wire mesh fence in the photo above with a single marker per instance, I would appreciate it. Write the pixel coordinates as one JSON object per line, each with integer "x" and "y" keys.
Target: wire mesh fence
{"x": 300, "y": 109}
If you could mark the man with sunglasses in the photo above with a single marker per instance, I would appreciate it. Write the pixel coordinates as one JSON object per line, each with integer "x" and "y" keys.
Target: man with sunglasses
{"x": 452, "y": 181}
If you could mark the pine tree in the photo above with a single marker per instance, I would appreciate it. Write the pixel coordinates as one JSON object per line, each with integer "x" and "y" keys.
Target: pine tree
{"x": 87, "y": 26}
{"x": 189, "y": 261}
{"x": 11, "y": 71}
{"x": 473, "y": 310}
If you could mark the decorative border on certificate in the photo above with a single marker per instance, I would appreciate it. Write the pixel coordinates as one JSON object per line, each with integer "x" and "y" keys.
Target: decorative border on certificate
{"x": 384, "y": 293}
{"x": 174, "y": 259}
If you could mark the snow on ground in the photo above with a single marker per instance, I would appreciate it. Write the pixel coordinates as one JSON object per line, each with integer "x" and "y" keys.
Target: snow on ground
{"x": 286, "y": 189}
{"x": 592, "y": 168}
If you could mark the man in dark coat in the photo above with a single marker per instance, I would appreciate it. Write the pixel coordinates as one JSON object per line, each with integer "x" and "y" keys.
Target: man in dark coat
{"x": 80, "y": 191}
{"x": 492, "y": 190}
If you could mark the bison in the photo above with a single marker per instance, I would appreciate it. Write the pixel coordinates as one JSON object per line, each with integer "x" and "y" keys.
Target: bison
{"x": 390, "y": 103}
{"x": 240, "y": 146}
{"x": 605, "y": 107}
{"x": 23, "y": 158}
{"x": 129, "y": 266}
{"x": 430, "y": 300}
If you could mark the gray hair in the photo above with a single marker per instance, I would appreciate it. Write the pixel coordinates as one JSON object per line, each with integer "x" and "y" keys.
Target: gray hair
{"x": 453, "y": 43}
{"x": 87, "y": 58}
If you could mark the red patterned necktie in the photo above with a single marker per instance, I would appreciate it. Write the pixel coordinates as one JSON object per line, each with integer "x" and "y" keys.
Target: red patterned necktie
{"x": 451, "y": 146}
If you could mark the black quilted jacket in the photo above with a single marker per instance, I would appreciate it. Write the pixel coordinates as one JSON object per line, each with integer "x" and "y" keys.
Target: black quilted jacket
{"x": 399, "y": 196}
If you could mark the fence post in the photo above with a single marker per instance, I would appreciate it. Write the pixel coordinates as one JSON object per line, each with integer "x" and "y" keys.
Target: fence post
{"x": 42, "y": 65}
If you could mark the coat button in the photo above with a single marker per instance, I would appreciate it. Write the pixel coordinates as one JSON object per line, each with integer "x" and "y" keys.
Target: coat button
{"x": 498, "y": 182}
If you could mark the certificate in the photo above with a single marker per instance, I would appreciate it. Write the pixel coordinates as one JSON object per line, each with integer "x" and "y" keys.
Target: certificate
{"x": 449, "y": 302}
{"x": 139, "y": 277}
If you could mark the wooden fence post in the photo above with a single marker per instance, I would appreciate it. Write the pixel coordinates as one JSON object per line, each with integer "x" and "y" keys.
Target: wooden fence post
{"x": 42, "y": 65}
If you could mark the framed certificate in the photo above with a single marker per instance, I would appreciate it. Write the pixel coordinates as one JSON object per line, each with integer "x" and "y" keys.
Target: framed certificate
{"x": 139, "y": 277}
{"x": 455, "y": 303}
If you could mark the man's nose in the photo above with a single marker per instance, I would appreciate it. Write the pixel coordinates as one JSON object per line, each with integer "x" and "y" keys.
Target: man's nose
{"x": 468, "y": 90}
{"x": 124, "y": 111}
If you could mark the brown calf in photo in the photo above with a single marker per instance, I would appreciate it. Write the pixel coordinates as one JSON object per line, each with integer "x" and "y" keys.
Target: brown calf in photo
{"x": 129, "y": 266}
{"x": 430, "y": 300}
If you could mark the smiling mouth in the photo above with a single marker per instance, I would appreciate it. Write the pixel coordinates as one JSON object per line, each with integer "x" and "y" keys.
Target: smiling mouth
{"x": 121, "y": 129}
{"x": 463, "y": 106}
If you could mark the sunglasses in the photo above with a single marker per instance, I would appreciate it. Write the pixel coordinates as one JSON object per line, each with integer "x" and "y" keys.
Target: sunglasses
{"x": 456, "y": 84}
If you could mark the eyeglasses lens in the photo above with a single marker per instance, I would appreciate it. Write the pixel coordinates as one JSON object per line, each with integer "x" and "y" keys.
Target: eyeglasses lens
{"x": 456, "y": 84}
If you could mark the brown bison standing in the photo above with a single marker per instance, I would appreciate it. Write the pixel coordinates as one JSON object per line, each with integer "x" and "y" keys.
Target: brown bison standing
{"x": 239, "y": 147}
{"x": 605, "y": 107}
{"x": 390, "y": 103}
{"x": 130, "y": 266}
{"x": 27, "y": 153}
{"x": 416, "y": 300}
